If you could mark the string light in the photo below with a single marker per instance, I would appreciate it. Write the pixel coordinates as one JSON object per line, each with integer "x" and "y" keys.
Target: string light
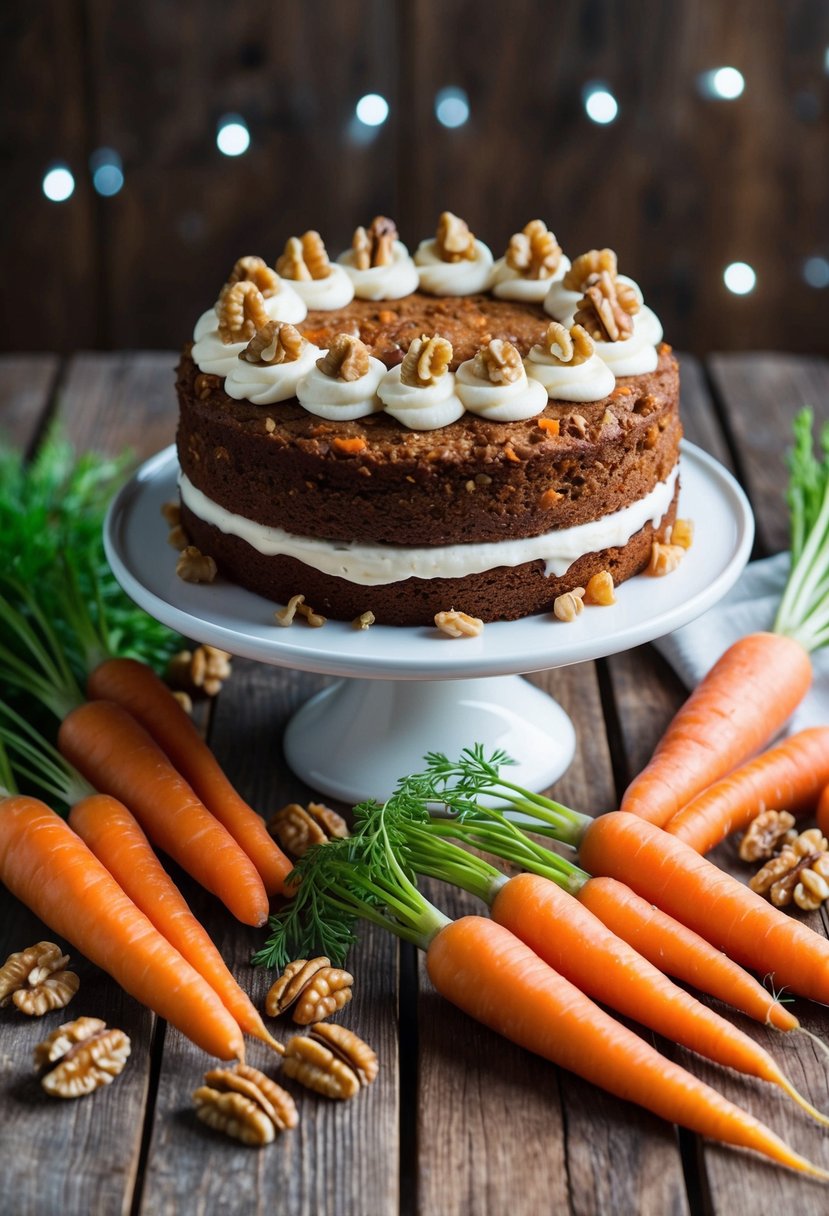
{"x": 452, "y": 107}
{"x": 739, "y": 278}
{"x": 107, "y": 172}
{"x": 599, "y": 103}
{"x": 723, "y": 84}
{"x": 372, "y": 110}
{"x": 232, "y": 135}
{"x": 816, "y": 272}
{"x": 58, "y": 183}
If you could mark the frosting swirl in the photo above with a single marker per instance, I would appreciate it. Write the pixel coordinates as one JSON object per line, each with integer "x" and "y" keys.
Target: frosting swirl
{"x": 218, "y": 358}
{"x": 391, "y": 282}
{"x": 420, "y": 407}
{"x": 462, "y": 278}
{"x": 631, "y": 356}
{"x": 335, "y": 290}
{"x": 266, "y": 383}
{"x": 509, "y": 284}
{"x": 561, "y": 302}
{"x": 341, "y": 400}
{"x": 506, "y": 402}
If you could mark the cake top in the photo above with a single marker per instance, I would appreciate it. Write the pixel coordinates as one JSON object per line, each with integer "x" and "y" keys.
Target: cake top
{"x": 260, "y": 338}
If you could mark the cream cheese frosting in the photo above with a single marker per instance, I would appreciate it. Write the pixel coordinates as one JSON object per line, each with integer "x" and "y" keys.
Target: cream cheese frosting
{"x": 423, "y": 407}
{"x": 399, "y": 278}
{"x": 591, "y": 380}
{"x": 561, "y": 303}
{"x": 267, "y": 383}
{"x": 522, "y": 398}
{"x": 335, "y": 290}
{"x": 372, "y": 565}
{"x": 463, "y": 278}
{"x": 217, "y": 358}
{"x": 631, "y": 356}
{"x": 341, "y": 400}
{"x": 509, "y": 284}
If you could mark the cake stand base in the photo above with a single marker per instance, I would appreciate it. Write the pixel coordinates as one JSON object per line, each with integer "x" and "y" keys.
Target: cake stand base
{"x": 356, "y": 738}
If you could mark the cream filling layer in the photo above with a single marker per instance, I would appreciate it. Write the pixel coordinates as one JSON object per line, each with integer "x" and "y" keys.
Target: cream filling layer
{"x": 372, "y": 565}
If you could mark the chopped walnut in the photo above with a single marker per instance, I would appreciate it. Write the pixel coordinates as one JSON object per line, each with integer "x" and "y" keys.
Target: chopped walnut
{"x": 36, "y": 979}
{"x": 599, "y": 589}
{"x": 499, "y": 362}
{"x": 606, "y": 309}
{"x": 664, "y": 559}
{"x": 255, "y": 270}
{"x": 312, "y": 618}
{"x": 572, "y": 346}
{"x": 274, "y": 1102}
{"x": 426, "y": 360}
{"x": 313, "y": 987}
{"x": 276, "y": 342}
{"x": 798, "y": 873}
{"x": 202, "y": 670}
{"x": 347, "y": 358}
{"x": 569, "y": 605}
{"x": 205, "y": 384}
{"x": 454, "y": 241}
{"x": 765, "y": 832}
{"x": 363, "y": 621}
{"x": 172, "y": 513}
{"x": 297, "y": 828}
{"x": 682, "y": 533}
{"x": 80, "y": 1057}
{"x": 375, "y": 246}
{"x": 241, "y": 310}
{"x": 575, "y": 425}
{"x": 330, "y": 1060}
{"x": 588, "y": 266}
{"x": 304, "y": 258}
{"x": 459, "y": 624}
{"x": 285, "y": 616}
{"x": 193, "y": 566}
{"x": 534, "y": 252}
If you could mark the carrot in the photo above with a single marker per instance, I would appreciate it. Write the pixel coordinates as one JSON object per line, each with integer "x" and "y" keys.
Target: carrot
{"x": 488, "y": 973}
{"x": 680, "y": 952}
{"x": 670, "y": 874}
{"x": 578, "y": 946}
{"x": 119, "y": 758}
{"x": 115, "y": 837}
{"x": 741, "y": 703}
{"x": 137, "y": 688}
{"x": 822, "y": 813}
{"x": 789, "y": 776}
{"x": 46, "y": 866}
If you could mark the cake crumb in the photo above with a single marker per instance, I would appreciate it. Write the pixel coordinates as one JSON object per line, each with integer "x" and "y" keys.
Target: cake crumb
{"x": 459, "y": 624}
{"x": 285, "y": 616}
{"x": 664, "y": 559}
{"x": 193, "y": 566}
{"x": 599, "y": 589}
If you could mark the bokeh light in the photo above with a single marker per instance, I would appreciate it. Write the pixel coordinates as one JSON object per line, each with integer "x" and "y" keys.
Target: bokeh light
{"x": 58, "y": 183}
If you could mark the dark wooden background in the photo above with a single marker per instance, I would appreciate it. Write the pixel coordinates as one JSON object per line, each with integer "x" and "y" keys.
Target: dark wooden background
{"x": 679, "y": 185}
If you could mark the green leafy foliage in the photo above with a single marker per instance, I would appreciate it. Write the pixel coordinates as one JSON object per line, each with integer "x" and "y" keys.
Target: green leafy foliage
{"x": 804, "y": 608}
{"x": 52, "y": 513}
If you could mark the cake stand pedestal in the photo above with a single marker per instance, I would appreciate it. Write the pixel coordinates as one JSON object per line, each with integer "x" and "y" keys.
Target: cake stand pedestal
{"x": 409, "y": 691}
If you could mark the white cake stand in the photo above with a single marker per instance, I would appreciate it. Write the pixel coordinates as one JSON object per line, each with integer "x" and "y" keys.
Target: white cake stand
{"x": 408, "y": 691}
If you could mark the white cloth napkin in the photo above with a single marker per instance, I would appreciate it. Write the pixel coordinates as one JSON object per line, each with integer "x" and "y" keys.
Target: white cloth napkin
{"x": 750, "y": 605}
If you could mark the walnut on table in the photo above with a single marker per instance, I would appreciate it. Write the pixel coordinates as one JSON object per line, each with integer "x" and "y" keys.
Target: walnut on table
{"x": 244, "y": 1103}
{"x": 203, "y": 670}
{"x": 331, "y": 1060}
{"x": 799, "y": 872}
{"x": 298, "y": 828}
{"x": 314, "y": 989}
{"x": 36, "y": 979}
{"x": 81, "y": 1056}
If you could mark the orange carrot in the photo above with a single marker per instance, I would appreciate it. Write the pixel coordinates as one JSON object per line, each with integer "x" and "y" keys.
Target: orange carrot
{"x": 789, "y": 776}
{"x": 822, "y": 813}
{"x": 114, "y": 836}
{"x": 137, "y": 688}
{"x": 54, "y": 874}
{"x": 119, "y": 758}
{"x": 680, "y": 952}
{"x": 486, "y": 971}
{"x": 670, "y": 874}
{"x": 578, "y": 946}
{"x": 740, "y": 704}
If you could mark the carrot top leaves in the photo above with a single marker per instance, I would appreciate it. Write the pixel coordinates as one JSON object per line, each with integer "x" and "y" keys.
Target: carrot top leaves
{"x": 803, "y": 613}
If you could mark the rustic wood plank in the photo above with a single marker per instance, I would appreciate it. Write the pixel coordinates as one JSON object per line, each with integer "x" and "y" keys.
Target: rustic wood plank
{"x": 760, "y": 394}
{"x": 329, "y": 1163}
{"x": 118, "y": 401}
{"x": 499, "y": 1130}
{"x": 28, "y": 383}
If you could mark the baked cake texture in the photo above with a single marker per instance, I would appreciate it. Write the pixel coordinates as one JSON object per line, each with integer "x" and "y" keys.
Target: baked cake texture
{"x": 408, "y": 454}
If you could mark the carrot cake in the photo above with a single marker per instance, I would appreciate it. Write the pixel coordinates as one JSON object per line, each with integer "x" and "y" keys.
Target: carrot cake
{"x": 404, "y": 435}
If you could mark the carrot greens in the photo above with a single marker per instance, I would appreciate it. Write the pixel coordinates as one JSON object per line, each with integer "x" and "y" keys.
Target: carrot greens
{"x": 804, "y": 609}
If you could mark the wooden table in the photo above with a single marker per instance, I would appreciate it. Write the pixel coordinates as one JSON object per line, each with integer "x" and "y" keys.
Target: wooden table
{"x": 459, "y": 1121}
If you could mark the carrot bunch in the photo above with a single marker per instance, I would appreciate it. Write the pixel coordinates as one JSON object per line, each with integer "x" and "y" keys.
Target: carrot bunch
{"x": 750, "y": 693}
{"x": 485, "y": 969}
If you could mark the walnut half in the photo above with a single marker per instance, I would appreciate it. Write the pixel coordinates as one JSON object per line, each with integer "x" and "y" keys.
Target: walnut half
{"x": 331, "y": 1060}
{"x": 81, "y": 1056}
{"x": 244, "y": 1103}
{"x": 36, "y": 980}
{"x": 314, "y": 988}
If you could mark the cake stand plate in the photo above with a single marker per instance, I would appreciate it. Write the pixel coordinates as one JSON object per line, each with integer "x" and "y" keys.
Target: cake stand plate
{"x": 407, "y": 691}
